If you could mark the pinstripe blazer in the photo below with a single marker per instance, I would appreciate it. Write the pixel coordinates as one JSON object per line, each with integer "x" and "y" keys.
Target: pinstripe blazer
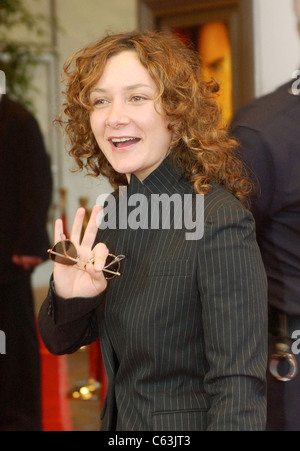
{"x": 183, "y": 331}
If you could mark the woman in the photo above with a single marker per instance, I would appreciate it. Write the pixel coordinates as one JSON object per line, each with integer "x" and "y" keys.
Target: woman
{"x": 183, "y": 327}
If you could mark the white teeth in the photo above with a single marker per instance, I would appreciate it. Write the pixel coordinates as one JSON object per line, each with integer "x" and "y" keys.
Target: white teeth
{"x": 122, "y": 140}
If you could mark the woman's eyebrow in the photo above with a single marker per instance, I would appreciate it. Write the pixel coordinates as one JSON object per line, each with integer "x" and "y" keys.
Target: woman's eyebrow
{"x": 137, "y": 85}
{"x": 126, "y": 88}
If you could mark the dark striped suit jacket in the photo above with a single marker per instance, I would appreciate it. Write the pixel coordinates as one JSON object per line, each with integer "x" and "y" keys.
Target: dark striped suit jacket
{"x": 183, "y": 331}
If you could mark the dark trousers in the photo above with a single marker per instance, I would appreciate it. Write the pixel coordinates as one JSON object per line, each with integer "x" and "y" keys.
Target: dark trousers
{"x": 20, "y": 400}
{"x": 283, "y": 399}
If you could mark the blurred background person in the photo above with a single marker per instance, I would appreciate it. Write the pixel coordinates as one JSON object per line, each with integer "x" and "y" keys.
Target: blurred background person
{"x": 25, "y": 196}
{"x": 269, "y": 132}
{"x": 215, "y": 50}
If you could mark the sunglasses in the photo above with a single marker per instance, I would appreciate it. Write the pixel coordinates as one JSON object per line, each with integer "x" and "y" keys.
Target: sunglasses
{"x": 65, "y": 253}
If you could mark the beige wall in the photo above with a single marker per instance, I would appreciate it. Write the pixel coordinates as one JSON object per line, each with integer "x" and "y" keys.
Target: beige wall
{"x": 277, "y": 44}
{"x": 85, "y": 21}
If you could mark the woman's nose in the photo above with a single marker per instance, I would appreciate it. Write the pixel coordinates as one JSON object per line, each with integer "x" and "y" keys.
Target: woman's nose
{"x": 117, "y": 115}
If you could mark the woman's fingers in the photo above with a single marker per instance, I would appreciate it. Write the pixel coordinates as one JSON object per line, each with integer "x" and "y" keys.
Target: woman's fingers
{"x": 100, "y": 256}
{"x": 75, "y": 236}
{"x": 100, "y": 253}
{"x": 58, "y": 230}
{"x": 85, "y": 278}
{"x": 91, "y": 229}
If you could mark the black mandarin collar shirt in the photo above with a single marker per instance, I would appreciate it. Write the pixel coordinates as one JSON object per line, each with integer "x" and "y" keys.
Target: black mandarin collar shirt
{"x": 161, "y": 181}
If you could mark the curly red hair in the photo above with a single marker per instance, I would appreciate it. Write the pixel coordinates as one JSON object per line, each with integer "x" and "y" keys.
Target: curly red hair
{"x": 200, "y": 145}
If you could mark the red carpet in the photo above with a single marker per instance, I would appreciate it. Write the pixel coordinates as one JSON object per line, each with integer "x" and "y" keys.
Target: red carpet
{"x": 56, "y": 414}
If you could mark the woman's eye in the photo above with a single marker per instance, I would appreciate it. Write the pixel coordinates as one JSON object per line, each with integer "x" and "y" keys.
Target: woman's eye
{"x": 99, "y": 102}
{"x": 137, "y": 98}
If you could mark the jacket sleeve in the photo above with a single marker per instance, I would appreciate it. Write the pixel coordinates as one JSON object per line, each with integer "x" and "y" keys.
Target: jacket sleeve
{"x": 233, "y": 290}
{"x": 67, "y": 324}
{"x": 255, "y": 153}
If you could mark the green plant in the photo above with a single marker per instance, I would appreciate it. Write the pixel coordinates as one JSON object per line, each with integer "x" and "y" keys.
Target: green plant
{"x": 18, "y": 58}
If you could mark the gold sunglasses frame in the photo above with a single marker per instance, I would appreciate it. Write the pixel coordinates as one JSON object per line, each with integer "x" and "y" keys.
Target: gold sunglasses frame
{"x": 77, "y": 261}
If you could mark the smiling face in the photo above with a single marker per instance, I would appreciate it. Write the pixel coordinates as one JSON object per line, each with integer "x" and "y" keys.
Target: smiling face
{"x": 132, "y": 134}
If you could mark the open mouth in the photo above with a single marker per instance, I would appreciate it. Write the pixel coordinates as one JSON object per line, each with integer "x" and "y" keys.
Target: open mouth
{"x": 124, "y": 142}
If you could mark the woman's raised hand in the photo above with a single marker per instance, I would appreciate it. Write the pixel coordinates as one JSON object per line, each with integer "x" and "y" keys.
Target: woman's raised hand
{"x": 87, "y": 280}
